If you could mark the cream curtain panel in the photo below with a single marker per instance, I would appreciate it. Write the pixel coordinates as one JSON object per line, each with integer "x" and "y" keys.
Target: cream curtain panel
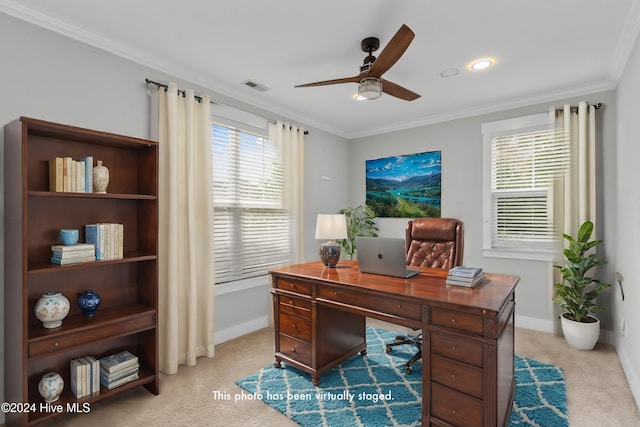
{"x": 185, "y": 247}
{"x": 575, "y": 192}
{"x": 289, "y": 141}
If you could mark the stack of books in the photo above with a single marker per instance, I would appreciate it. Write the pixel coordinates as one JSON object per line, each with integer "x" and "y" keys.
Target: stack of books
{"x": 469, "y": 277}
{"x": 85, "y": 376}
{"x": 108, "y": 239}
{"x": 70, "y": 175}
{"x": 118, "y": 369}
{"x": 73, "y": 254}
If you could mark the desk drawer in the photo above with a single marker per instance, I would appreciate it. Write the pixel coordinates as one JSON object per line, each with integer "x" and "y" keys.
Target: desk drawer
{"x": 295, "y": 349}
{"x": 457, "y": 348}
{"x": 468, "y": 322}
{"x": 457, "y": 375}
{"x": 295, "y": 326}
{"x": 302, "y": 288}
{"x": 378, "y": 303}
{"x": 295, "y": 306}
{"x": 454, "y": 407}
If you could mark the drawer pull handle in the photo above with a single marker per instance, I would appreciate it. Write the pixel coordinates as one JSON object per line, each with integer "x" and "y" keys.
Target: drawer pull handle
{"x": 294, "y": 326}
{"x": 56, "y": 344}
{"x": 453, "y": 320}
{"x": 453, "y": 411}
{"x": 335, "y": 292}
{"x": 293, "y": 349}
{"x": 453, "y": 348}
{"x": 399, "y": 306}
{"x": 453, "y": 376}
{"x": 291, "y": 302}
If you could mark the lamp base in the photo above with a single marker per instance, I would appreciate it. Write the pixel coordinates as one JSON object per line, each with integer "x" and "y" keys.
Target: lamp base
{"x": 330, "y": 253}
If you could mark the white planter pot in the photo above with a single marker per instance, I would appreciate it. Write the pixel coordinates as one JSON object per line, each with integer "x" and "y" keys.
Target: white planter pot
{"x": 579, "y": 335}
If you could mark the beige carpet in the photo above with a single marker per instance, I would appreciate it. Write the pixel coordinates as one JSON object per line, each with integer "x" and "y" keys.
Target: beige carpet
{"x": 598, "y": 393}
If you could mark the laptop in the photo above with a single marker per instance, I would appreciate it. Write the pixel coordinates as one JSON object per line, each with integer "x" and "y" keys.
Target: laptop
{"x": 383, "y": 255}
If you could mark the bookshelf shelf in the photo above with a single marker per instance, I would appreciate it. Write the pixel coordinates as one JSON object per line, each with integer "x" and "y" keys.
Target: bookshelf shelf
{"x": 127, "y": 317}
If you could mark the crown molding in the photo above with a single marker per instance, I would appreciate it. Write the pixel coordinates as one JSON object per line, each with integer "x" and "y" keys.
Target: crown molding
{"x": 628, "y": 39}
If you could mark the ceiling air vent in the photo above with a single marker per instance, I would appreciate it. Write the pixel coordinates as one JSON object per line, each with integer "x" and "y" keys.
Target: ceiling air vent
{"x": 256, "y": 86}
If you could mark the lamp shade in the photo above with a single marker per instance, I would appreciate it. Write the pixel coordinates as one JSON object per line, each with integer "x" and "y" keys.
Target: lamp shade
{"x": 331, "y": 226}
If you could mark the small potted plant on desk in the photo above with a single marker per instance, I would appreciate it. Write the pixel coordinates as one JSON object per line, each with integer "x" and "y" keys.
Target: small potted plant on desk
{"x": 360, "y": 223}
{"x": 578, "y": 292}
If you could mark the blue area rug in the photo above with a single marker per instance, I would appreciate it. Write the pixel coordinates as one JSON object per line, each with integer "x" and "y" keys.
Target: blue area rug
{"x": 375, "y": 391}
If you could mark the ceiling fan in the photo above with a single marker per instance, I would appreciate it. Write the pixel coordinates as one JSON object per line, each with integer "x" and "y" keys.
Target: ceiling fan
{"x": 371, "y": 83}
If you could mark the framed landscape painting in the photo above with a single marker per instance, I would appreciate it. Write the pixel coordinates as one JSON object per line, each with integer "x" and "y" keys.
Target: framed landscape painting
{"x": 405, "y": 186}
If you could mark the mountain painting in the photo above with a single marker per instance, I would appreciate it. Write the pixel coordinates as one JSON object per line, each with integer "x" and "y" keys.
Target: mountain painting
{"x": 405, "y": 186}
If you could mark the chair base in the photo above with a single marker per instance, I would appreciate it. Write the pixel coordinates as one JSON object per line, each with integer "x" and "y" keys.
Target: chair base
{"x": 406, "y": 340}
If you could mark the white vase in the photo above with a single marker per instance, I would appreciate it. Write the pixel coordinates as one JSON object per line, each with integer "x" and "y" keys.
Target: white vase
{"x": 50, "y": 386}
{"x": 51, "y": 308}
{"x": 100, "y": 178}
{"x": 580, "y": 335}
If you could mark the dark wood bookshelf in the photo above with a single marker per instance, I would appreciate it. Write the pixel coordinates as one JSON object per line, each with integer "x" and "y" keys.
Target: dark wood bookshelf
{"x": 127, "y": 317}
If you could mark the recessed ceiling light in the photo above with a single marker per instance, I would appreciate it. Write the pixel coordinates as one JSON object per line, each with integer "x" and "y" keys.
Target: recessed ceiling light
{"x": 481, "y": 64}
{"x": 450, "y": 72}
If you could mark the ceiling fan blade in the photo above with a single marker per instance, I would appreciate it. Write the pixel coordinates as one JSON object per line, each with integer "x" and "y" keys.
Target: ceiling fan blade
{"x": 354, "y": 79}
{"x": 398, "y": 91}
{"x": 392, "y": 52}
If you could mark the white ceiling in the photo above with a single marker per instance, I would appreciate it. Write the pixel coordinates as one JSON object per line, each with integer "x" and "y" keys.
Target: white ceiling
{"x": 545, "y": 49}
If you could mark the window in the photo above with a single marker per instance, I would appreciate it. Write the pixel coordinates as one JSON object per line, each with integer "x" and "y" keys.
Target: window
{"x": 251, "y": 227}
{"x": 525, "y": 156}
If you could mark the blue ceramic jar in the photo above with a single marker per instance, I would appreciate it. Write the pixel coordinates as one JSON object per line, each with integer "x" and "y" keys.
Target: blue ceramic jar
{"x": 89, "y": 302}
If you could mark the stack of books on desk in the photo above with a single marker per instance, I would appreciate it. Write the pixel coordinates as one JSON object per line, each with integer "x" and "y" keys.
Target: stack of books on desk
{"x": 118, "y": 369}
{"x": 469, "y": 277}
{"x": 73, "y": 254}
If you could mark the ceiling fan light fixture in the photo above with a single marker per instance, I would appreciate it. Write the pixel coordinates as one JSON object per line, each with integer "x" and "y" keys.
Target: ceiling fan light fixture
{"x": 369, "y": 88}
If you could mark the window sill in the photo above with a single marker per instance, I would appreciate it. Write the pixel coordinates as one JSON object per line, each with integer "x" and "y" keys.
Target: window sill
{"x": 241, "y": 285}
{"x": 549, "y": 255}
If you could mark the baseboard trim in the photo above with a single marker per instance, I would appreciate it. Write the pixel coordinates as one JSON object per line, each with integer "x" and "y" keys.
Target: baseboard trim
{"x": 535, "y": 324}
{"x": 241, "y": 329}
{"x": 629, "y": 370}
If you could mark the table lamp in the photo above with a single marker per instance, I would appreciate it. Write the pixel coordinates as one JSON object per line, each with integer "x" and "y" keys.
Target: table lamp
{"x": 332, "y": 227}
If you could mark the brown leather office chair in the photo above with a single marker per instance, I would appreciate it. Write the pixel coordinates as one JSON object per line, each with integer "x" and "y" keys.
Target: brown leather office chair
{"x": 434, "y": 243}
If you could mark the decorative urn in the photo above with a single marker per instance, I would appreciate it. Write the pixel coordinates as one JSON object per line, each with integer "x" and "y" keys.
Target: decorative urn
{"x": 89, "y": 302}
{"x": 50, "y": 386}
{"x": 100, "y": 178}
{"x": 51, "y": 308}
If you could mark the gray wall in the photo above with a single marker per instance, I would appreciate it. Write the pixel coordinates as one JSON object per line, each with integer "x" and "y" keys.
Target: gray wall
{"x": 627, "y": 236}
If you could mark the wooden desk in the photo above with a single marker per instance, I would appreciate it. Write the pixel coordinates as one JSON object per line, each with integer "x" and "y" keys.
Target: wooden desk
{"x": 467, "y": 367}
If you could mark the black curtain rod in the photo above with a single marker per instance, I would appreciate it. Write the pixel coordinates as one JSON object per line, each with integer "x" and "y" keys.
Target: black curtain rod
{"x": 597, "y": 106}
{"x": 198, "y": 98}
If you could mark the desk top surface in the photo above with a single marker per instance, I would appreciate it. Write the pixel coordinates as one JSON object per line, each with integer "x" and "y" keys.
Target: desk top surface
{"x": 429, "y": 285}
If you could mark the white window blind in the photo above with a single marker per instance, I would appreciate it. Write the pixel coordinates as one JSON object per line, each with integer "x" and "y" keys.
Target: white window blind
{"x": 524, "y": 164}
{"x": 251, "y": 227}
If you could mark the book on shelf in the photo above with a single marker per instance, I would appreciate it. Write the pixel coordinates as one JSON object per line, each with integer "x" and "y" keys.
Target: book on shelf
{"x": 70, "y": 261}
{"x": 88, "y": 174}
{"x": 78, "y": 247}
{"x": 468, "y": 282}
{"x": 56, "y": 175}
{"x": 106, "y": 377}
{"x": 108, "y": 239}
{"x": 74, "y": 255}
{"x": 461, "y": 271}
{"x": 122, "y": 381}
{"x": 84, "y": 376}
{"x": 118, "y": 362}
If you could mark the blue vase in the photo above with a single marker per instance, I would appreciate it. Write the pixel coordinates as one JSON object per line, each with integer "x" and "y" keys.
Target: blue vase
{"x": 89, "y": 302}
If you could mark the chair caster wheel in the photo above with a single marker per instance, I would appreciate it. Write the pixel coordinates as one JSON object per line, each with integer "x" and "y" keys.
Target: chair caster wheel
{"x": 387, "y": 349}
{"x": 408, "y": 370}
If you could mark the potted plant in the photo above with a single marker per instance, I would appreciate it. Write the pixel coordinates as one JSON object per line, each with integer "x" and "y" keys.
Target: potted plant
{"x": 578, "y": 291}
{"x": 360, "y": 222}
